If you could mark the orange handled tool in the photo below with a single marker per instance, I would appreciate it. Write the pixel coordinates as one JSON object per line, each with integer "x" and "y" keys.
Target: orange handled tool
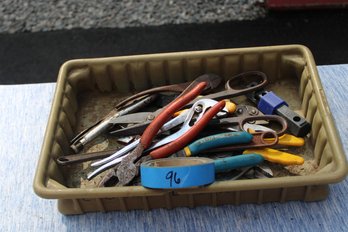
{"x": 188, "y": 136}
{"x": 127, "y": 169}
{"x": 152, "y": 129}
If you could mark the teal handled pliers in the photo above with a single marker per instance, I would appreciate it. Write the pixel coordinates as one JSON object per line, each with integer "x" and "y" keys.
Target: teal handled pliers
{"x": 214, "y": 141}
{"x": 220, "y": 140}
{"x": 236, "y": 162}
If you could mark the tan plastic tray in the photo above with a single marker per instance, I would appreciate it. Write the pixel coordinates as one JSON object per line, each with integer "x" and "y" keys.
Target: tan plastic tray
{"x": 79, "y": 81}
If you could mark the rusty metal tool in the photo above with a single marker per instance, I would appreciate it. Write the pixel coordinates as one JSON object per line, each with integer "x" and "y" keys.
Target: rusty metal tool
{"x": 285, "y": 139}
{"x": 238, "y": 123}
{"x": 273, "y": 155}
{"x": 212, "y": 81}
{"x": 246, "y": 110}
{"x": 239, "y": 85}
{"x": 82, "y": 157}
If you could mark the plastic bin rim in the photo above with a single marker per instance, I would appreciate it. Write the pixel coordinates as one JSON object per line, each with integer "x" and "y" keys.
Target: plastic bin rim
{"x": 73, "y": 193}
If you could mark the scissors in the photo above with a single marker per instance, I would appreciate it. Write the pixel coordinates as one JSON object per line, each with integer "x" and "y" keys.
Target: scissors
{"x": 247, "y": 82}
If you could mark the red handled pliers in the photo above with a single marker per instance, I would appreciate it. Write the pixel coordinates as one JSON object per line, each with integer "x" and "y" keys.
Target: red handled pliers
{"x": 127, "y": 170}
{"x": 189, "y": 135}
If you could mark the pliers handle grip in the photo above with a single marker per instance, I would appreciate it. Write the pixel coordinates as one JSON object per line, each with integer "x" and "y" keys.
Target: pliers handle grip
{"x": 187, "y": 137}
{"x": 152, "y": 129}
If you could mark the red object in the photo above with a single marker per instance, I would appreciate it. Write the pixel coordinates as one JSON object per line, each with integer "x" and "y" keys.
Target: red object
{"x": 183, "y": 140}
{"x": 152, "y": 129}
{"x": 300, "y": 4}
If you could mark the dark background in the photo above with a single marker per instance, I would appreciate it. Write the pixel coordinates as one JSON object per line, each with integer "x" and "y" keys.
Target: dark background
{"x": 36, "y": 57}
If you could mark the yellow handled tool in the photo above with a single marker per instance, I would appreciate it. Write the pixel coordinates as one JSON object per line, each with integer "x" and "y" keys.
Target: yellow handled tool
{"x": 276, "y": 156}
{"x": 289, "y": 140}
{"x": 285, "y": 139}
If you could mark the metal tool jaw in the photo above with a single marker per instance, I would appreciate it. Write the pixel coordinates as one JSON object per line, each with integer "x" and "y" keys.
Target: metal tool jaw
{"x": 195, "y": 114}
{"x": 143, "y": 119}
{"x": 247, "y": 110}
{"x": 260, "y": 171}
{"x": 105, "y": 124}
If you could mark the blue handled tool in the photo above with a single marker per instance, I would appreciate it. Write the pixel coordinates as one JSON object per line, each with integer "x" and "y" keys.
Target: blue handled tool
{"x": 238, "y": 161}
{"x": 214, "y": 141}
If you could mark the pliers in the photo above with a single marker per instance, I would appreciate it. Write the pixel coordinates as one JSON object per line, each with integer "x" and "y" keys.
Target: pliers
{"x": 192, "y": 114}
{"x": 127, "y": 169}
{"x": 186, "y": 134}
{"x": 142, "y": 119}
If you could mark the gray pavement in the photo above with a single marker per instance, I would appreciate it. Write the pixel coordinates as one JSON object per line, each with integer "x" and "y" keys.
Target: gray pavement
{"x": 36, "y": 57}
{"x": 48, "y": 15}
